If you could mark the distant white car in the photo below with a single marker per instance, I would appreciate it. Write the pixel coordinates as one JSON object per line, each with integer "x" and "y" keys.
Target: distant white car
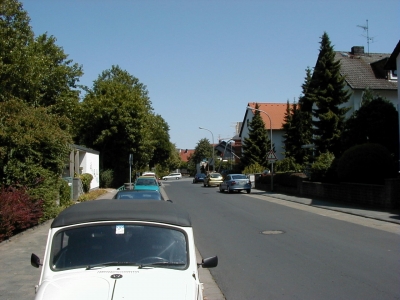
{"x": 109, "y": 249}
{"x": 173, "y": 176}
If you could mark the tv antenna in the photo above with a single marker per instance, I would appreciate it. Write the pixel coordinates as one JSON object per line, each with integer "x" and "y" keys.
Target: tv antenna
{"x": 365, "y": 27}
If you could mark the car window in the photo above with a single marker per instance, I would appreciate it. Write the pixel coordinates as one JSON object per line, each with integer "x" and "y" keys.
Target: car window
{"x": 239, "y": 177}
{"x": 145, "y": 181}
{"x": 145, "y": 195}
{"x": 215, "y": 175}
{"x": 123, "y": 242}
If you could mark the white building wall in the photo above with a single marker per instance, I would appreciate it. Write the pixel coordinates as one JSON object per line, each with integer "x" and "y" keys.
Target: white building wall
{"x": 90, "y": 164}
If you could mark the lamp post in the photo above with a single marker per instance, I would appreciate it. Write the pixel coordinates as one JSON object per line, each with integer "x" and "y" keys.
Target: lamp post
{"x": 270, "y": 126}
{"x": 212, "y": 146}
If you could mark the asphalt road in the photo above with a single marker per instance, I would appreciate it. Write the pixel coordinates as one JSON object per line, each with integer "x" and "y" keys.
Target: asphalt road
{"x": 268, "y": 250}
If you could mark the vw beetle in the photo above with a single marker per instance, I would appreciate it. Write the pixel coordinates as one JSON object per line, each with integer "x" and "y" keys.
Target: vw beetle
{"x": 107, "y": 249}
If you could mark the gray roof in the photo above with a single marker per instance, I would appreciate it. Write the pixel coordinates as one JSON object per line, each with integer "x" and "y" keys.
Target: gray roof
{"x": 116, "y": 210}
{"x": 365, "y": 70}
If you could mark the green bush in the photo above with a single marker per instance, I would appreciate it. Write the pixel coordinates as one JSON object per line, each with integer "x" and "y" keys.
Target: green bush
{"x": 367, "y": 163}
{"x": 65, "y": 193}
{"x": 92, "y": 195}
{"x": 288, "y": 164}
{"x": 86, "y": 180}
{"x": 254, "y": 168}
{"x": 321, "y": 167}
{"x": 106, "y": 178}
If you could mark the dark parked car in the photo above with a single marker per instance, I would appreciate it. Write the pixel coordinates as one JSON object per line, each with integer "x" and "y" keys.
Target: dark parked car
{"x": 138, "y": 195}
{"x": 235, "y": 182}
{"x": 199, "y": 177}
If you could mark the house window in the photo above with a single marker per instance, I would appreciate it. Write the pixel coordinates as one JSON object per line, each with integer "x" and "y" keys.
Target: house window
{"x": 393, "y": 75}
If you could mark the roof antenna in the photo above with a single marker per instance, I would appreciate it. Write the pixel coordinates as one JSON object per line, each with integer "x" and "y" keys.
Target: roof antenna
{"x": 367, "y": 36}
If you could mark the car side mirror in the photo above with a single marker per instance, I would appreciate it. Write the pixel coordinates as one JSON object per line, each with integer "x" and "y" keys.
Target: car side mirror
{"x": 210, "y": 262}
{"x": 35, "y": 261}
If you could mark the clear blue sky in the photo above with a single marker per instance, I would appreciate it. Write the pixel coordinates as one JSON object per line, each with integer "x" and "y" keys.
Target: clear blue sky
{"x": 203, "y": 61}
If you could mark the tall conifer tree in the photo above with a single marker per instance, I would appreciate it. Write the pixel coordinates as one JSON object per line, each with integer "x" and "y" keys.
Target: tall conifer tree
{"x": 257, "y": 145}
{"x": 328, "y": 94}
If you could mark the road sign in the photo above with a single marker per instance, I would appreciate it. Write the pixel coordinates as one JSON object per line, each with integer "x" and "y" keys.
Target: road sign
{"x": 271, "y": 156}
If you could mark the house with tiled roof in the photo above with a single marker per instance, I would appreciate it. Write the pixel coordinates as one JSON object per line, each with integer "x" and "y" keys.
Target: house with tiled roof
{"x": 184, "y": 154}
{"x": 361, "y": 71}
{"x": 366, "y": 70}
{"x": 273, "y": 115}
{"x": 393, "y": 65}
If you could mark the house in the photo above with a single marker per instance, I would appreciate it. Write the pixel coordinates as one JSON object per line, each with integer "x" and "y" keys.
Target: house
{"x": 184, "y": 154}
{"x": 362, "y": 71}
{"x": 392, "y": 65}
{"x": 273, "y": 115}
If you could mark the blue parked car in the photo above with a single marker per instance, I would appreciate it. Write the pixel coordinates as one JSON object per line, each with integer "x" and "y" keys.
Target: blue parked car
{"x": 199, "y": 177}
{"x": 235, "y": 182}
{"x": 146, "y": 183}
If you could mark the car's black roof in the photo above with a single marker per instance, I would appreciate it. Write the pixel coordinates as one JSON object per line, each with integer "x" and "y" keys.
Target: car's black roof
{"x": 114, "y": 210}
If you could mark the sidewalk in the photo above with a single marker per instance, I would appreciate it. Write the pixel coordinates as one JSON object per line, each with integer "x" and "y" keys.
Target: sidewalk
{"x": 392, "y": 215}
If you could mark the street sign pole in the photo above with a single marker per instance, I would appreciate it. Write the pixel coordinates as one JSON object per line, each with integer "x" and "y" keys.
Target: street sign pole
{"x": 271, "y": 159}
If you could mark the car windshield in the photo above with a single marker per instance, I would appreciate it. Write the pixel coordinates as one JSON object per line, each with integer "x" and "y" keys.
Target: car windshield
{"x": 121, "y": 244}
{"x": 215, "y": 175}
{"x": 239, "y": 177}
{"x": 146, "y": 181}
{"x": 138, "y": 195}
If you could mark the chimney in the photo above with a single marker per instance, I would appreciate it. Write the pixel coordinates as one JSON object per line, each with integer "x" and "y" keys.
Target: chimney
{"x": 357, "y": 50}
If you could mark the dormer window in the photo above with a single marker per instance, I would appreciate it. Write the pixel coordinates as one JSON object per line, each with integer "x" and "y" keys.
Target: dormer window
{"x": 393, "y": 75}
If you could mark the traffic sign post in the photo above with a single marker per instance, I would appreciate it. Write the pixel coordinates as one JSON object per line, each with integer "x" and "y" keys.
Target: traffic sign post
{"x": 271, "y": 157}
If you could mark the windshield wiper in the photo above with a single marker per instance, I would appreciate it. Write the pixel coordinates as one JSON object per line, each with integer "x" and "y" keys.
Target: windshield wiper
{"x": 111, "y": 263}
{"x": 161, "y": 263}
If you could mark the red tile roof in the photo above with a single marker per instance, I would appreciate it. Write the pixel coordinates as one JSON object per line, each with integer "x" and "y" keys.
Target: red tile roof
{"x": 276, "y": 112}
{"x": 185, "y": 153}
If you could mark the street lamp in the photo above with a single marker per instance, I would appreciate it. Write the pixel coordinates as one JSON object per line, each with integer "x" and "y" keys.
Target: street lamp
{"x": 212, "y": 146}
{"x": 270, "y": 126}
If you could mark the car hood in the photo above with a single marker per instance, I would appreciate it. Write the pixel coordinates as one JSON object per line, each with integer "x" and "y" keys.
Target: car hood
{"x": 106, "y": 284}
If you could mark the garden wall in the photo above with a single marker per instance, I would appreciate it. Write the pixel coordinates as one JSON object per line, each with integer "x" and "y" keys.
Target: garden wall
{"x": 377, "y": 196}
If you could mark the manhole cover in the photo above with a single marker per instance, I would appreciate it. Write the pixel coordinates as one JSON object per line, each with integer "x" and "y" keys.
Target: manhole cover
{"x": 267, "y": 232}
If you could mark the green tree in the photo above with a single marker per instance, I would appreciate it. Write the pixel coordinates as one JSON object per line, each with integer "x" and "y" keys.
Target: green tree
{"x": 328, "y": 94}
{"x": 202, "y": 151}
{"x": 375, "y": 122}
{"x": 290, "y": 130}
{"x": 257, "y": 145}
{"x": 174, "y": 160}
{"x": 161, "y": 143}
{"x": 298, "y": 127}
{"x": 114, "y": 119}
{"x": 34, "y": 146}
{"x": 34, "y": 70}
{"x": 303, "y": 122}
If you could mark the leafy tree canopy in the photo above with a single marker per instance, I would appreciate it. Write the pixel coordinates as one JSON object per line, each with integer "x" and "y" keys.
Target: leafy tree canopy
{"x": 31, "y": 139}
{"x": 203, "y": 150}
{"x": 116, "y": 117}
{"x": 375, "y": 122}
{"x": 34, "y": 70}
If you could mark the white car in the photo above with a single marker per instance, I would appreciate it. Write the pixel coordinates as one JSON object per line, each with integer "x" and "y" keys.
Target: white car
{"x": 173, "y": 176}
{"x": 108, "y": 249}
